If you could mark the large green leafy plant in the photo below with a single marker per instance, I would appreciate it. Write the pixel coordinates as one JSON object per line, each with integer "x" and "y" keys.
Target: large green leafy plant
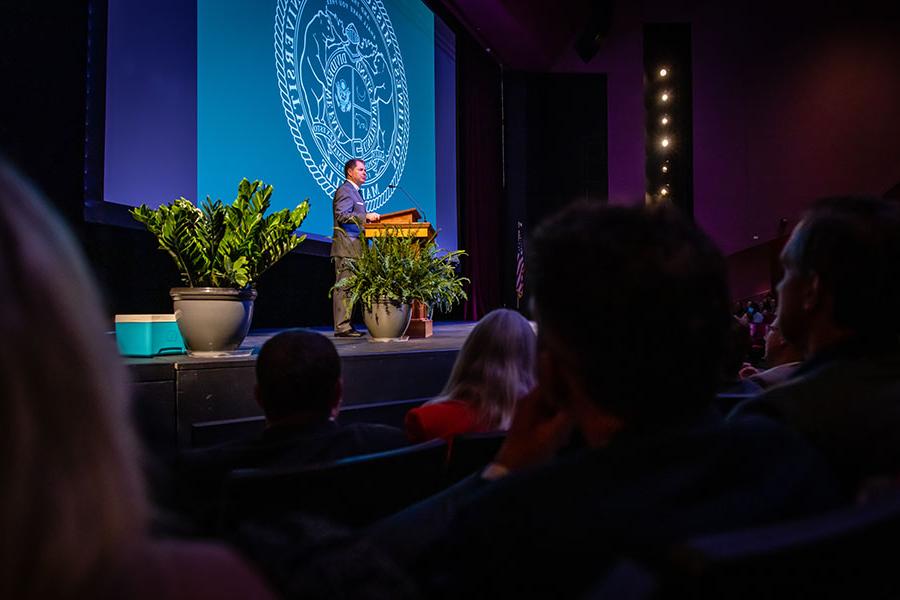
{"x": 228, "y": 246}
{"x": 400, "y": 269}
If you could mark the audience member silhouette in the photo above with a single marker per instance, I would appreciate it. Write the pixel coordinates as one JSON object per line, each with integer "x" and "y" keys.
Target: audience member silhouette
{"x": 636, "y": 378}
{"x": 782, "y": 358}
{"x": 73, "y": 510}
{"x": 838, "y": 303}
{"x": 494, "y": 368}
{"x": 737, "y": 353}
{"x": 299, "y": 388}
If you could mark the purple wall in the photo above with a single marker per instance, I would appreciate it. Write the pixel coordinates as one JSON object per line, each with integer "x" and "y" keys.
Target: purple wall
{"x": 790, "y": 103}
{"x": 621, "y": 59}
{"x": 785, "y": 112}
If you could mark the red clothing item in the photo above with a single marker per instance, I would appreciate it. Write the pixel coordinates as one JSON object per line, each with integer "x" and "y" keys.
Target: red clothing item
{"x": 441, "y": 420}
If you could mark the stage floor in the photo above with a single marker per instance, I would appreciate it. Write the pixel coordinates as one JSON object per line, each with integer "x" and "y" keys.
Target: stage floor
{"x": 184, "y": 402}
{"x": 447, "y": 336}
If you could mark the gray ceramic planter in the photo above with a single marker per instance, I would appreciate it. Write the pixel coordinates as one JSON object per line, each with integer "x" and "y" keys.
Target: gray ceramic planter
{"x": 387, "y": 320}
{"x": 213, "y": 320}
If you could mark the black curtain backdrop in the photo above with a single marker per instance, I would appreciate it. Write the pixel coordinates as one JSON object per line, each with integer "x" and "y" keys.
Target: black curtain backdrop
{"x": 555, "y": 153}
{"x": 43, "y": 60}
{"x": 480, "y": 168}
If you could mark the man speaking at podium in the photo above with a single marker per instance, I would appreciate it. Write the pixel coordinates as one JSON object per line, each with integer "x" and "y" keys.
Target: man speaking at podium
{"x": 350, "y": 217}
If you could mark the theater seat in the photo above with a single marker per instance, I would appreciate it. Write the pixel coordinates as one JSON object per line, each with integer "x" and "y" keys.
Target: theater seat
{"x": 725, "y": 402}
{"x": 472, "y": 451}
{"x": 353, "y": 491}
{"x": 848, "y": 553}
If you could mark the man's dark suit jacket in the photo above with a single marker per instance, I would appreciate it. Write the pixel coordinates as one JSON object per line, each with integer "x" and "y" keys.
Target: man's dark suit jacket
{"x": 349, "y": 221}
{"x": 553, "y": 531}
{"x": 846, "y": 401}
{"x": 289, "y": 445}
{"x": 203, "y": 471}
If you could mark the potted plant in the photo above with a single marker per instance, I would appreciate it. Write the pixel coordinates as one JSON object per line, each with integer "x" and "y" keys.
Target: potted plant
{"x": 393, "y": 271}
{"x": 221, "y": 250}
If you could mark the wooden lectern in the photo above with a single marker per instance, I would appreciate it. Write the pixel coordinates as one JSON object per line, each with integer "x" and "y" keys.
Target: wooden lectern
{"x": 406, "y": 223}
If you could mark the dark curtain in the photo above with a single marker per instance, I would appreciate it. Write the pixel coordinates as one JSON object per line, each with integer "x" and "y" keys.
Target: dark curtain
{"x": 480, "y": 175}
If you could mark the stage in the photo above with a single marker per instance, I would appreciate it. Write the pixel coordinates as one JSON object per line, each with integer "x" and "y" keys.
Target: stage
{"x": 182, "y": 402}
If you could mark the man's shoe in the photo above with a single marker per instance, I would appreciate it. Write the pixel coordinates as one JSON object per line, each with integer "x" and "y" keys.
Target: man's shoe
{"x": 350, "y": 333}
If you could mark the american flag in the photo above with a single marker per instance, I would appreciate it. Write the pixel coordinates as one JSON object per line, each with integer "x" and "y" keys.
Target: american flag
{"x": 520, "y": 261}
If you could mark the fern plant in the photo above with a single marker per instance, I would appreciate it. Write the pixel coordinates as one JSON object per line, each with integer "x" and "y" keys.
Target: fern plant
{"x": 399, "y": 269}
{"x": 227, "y": 246}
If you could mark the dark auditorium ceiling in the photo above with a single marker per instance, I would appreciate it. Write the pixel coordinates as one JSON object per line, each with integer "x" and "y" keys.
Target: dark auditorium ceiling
{"x": 529, "y": 34}
{"x": 532, "y": 35}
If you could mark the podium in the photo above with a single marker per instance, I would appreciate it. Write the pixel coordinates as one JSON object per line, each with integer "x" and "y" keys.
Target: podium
{"x": 407, "y": 224}
{"x": 404, "y": 222}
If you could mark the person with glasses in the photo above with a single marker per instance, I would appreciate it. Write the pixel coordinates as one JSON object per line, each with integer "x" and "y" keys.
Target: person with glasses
{"x": 782, "y": 359}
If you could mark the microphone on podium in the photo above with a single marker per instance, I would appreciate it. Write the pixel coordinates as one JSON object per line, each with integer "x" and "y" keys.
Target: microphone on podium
{"x": 413, "y": 200}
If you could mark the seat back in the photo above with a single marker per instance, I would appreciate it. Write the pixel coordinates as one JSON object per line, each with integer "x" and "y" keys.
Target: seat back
{"x": 472, "y": 451}
{"x": 353, "y": 491}
{"x": 725, "y": 402}
{"x": 841, "y": 554}
{"x": 213, "y": 433}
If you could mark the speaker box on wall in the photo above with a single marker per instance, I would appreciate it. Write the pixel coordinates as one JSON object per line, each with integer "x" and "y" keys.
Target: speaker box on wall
{"x": 595, "y": 30}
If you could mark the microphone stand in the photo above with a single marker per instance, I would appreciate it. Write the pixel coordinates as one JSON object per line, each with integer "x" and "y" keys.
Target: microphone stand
{"x": 411, "y": 199}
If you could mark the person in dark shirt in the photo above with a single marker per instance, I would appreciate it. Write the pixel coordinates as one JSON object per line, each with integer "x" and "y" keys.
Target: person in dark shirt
{"x": 299, "y": 388}
{"x": 636, "y": 383}
{"x": 838, "y": 303}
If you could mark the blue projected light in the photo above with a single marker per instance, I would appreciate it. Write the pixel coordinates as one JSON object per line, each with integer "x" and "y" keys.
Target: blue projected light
{"x": 285, "y": 91}
{"x": 347, "y": 79}
{"x": 343, "y": 88}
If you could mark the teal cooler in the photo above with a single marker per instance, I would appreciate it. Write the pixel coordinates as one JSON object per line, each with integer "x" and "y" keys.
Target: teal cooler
{"x": 148, "y": 335}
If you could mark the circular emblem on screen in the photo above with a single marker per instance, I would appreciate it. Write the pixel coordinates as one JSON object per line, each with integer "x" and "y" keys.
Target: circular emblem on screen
{"x": 343, "y": 87}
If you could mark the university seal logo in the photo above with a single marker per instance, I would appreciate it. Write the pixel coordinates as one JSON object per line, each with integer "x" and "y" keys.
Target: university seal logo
{"x": 343, "y": 87}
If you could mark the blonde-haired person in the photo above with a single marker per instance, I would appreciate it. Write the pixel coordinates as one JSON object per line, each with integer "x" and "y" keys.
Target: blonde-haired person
{"x": 73, "y": 511}
{"x": 494, "y": 368}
